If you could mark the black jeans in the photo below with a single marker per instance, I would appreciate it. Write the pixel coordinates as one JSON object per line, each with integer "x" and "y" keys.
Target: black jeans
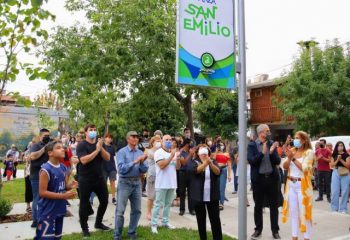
{"x": 214, "y": 218}
{"x": 324, "y": 182}
{"x": 184, "y": 184}
{"x": 28, "y": 194}
{"x": 86, "y": 187}
{"x": 266, "y": 186}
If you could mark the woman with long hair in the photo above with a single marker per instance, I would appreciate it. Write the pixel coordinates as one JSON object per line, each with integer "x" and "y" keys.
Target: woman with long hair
{"x": 298, "y": 190}
{"x": 340, "y": 163}
{"x": 222, "y": 157}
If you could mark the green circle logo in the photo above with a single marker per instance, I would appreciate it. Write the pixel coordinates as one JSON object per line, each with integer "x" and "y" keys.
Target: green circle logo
{"x": 207, "y": 60}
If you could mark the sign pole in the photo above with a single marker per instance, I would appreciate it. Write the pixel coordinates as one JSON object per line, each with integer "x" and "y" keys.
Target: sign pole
{"x": 242, "y": 125}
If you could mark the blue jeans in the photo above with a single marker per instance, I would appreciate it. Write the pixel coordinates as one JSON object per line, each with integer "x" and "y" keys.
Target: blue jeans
{"x": 235, "y": 177}
{"x": 223, "y": 180}
{"x": 164, "y": 197}
{"x": 35, "y": 190}
{"x": 128, "y": 189}
{"x": 339, "y": 183}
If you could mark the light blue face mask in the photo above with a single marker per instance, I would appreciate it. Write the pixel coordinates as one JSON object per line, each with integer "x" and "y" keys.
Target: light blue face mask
{"x": 92, "y": 134}
{"x": 297, "y": 143}
{"x": 168, "y": 144}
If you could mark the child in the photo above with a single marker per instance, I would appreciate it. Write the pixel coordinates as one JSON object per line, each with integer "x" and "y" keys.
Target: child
{"x": 9, "y": 166}
{"x": 53, "y": 194}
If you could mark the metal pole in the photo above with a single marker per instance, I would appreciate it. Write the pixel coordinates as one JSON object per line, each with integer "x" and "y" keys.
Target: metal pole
{"x": 242, "y": 125}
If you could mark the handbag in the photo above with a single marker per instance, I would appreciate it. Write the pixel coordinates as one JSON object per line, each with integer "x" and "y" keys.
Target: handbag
{"x": 343, "y": 171}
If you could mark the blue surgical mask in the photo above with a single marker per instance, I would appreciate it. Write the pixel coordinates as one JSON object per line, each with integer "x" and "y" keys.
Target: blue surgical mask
{"x": 92, "y": 134}
{"x": 168, "y": 144}
{"x": 297, "y": 143}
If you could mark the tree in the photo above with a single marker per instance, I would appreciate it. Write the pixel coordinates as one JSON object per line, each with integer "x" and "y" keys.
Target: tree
{"x": 20, "y": 29}
{"x": 153, "y": 109}
{"x": 148, "y": 28}
{"x": 317, "y": 90}
{"x": 86, "y": 73}
{"x": 217, "y": 113}
{"x": 45, "y": 121}
{"x": 47, "y": 99}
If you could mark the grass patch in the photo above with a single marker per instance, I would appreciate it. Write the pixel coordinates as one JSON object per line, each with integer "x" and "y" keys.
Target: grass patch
{"x": 19, "y": 166}
{"x": 14, "y": 190}
{"x": 144, "y": 233}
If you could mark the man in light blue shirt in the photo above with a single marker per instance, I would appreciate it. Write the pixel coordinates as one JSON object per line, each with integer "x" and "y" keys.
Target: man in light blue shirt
{"x": 131, "y": 164}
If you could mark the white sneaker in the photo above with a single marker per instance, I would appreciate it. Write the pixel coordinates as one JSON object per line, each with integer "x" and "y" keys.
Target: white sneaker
{"x": 169, "y": 226}
{"x": 154, "y": 230}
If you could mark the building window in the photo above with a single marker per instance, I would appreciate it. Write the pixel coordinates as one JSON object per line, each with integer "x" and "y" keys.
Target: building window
{"x": 258, "y": 93}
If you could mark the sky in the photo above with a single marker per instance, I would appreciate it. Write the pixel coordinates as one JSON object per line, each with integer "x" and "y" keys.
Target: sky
{"x": 273, "y": 28}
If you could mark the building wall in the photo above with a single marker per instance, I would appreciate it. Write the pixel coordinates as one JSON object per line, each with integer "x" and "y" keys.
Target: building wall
{"x": 19, "y": 124}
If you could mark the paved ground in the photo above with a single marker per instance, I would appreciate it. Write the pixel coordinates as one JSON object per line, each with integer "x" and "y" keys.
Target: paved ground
{"x": 327, "y": 226}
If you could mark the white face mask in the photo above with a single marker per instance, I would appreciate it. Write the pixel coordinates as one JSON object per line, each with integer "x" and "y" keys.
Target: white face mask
{"x": 222, "y": 148}
{"x": 203, "y": 151}
{"x": 210, "y": 143}
{"x": 158, "y": 144}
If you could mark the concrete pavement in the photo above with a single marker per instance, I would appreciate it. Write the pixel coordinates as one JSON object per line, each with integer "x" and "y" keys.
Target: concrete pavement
{"x": 327, "y": 225}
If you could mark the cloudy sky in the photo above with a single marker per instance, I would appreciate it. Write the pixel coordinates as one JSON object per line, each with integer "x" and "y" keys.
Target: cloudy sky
{"x": 273, "y": 27}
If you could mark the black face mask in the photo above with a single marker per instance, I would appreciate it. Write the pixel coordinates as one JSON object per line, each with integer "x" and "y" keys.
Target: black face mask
{"x": 46, "y": 139}
{"x": 321, "y": 145}
{"x": 146, "y": 136}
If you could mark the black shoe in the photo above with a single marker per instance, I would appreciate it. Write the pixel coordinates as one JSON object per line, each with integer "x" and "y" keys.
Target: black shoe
{"x": 86, "y": 233}
{"x": 226, "y": 199}
{"x": 319, "y": 199}
{"x": 181, "y": 213}
{"x": 329, "y": 200}
{"x": 192, "y": 212}
{"x": 256, "y": 234}
{"x": 276, "y": 235}
{"x": 102, "y": 227}
{"x": 34, "y": 224}
{"x": 114, "y": 201}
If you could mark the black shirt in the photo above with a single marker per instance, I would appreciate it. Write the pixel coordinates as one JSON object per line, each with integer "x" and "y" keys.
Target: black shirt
{"x": 110, "y": 165}
{"x": 344, "y": 156}
{"x": 35, "y": 165}
{"x": 197, "y": 183}
{"x": 92, "y": 169}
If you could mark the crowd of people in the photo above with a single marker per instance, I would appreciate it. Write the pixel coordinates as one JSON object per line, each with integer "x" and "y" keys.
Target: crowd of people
{"x": 172, "y": 171}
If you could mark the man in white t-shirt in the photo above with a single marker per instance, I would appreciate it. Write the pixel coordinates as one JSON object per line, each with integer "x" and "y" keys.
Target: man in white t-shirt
{"x": 167, "y": 161}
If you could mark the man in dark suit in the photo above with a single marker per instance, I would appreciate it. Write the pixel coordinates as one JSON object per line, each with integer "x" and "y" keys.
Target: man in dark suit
{"x": 263, "y": 159}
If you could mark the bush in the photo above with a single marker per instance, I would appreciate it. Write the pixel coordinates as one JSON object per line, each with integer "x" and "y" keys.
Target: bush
{"x": 5, "y": 207}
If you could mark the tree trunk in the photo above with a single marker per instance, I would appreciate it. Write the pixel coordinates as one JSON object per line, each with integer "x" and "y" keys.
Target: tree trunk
{"x": 187, "y": 106}
{"x": 186, "y": 103}
{"x": 106, "y": 120}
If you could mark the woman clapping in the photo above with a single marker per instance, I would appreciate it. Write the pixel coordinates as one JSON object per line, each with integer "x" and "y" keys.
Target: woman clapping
{"x": 298, "y": 190}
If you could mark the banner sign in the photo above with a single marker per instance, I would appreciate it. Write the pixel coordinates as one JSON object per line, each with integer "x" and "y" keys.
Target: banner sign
{"x": 205, "y": 43}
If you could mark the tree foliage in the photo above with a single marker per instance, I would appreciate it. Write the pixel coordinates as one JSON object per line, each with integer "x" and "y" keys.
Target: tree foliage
{"x": 47, "y": 99}
{"x": 317, "y": 90}
{"x": 45, "y": 121}
{"x": 148, "y": 29}
{"x": 20, "y": 30}
{"x": 217, "y": 113}
{"x": 150, "y": 108}
{"x": 85, "y": 74}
